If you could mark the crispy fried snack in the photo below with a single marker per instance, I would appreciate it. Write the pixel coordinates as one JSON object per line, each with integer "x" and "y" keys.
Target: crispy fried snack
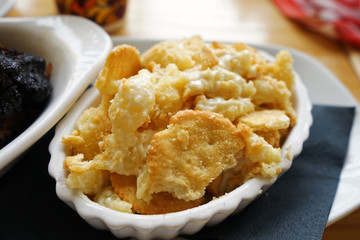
{"x": 94, "y": 124}
{"x": 124, "y": 150}
{"x": 186, "y": 54}
{"x": 258, "y": 158}
{"x": 266, "y": 120}
{"x": 183, "y": 159}
{"x": 162, "y": 202}
{"x": 269, "y": 124}
{"x": 183, "y": 122}
{"x": 122, "y": 62}
{"x": 274, "y": 94}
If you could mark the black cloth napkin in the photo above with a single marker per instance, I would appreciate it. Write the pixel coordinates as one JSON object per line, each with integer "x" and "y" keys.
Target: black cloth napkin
{"x": 295, "y": 207}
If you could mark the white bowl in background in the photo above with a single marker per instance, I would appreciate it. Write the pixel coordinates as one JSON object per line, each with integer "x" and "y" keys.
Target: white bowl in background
{"x": 168, "y": 226}
{"x": 76, "y": 48}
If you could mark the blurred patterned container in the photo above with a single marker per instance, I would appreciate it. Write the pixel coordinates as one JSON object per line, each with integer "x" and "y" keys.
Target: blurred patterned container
{"x": 336, "y": 19}
{"x": 110, "y": 14}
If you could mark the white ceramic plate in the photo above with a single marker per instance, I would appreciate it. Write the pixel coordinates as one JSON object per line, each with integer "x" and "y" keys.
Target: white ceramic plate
{"x": 322, "y": 86}
{"x": 76, "y": 48}
{"x": 5, "y": 6}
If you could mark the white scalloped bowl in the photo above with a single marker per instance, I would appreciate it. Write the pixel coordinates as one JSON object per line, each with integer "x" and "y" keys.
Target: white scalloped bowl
{"x": 168, "y": 226}
{"x": 76, "y": 48}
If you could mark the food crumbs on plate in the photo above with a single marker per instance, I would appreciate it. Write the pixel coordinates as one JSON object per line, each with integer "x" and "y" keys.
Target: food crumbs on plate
{"x": 180, "y": 125}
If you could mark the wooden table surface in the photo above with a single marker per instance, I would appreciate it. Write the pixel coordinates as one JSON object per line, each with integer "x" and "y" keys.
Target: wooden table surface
{"x": 251, "y": 21}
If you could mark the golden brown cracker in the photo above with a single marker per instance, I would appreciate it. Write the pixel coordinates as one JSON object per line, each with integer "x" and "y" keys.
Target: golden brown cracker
{"x": 183, "y": 159}
{"x": 91, "y": 127}
{"x": 163, "y": 202}
{"x": 122, "y": 62}
{"x": 266, "y": 120}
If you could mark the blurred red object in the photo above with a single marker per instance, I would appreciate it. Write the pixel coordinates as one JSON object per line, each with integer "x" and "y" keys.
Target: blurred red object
{"x": 337, "y": 19}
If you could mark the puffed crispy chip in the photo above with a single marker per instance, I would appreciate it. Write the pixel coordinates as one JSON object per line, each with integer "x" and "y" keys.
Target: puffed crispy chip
{"x": 274, "y": 94}
{"x": 89, "y": 182}
{"x": 91, "y": 127}
{"x": 122, "y": 62}
{"x": 266, "y": 120}
{"x": 231, "y": 109}
{"x": 282, "y": 69}
{"x": 169, "y": 87}
{"x": 183, "y": 159}
{"x": 186, "y": 54}
{"x": 258, "y": 150}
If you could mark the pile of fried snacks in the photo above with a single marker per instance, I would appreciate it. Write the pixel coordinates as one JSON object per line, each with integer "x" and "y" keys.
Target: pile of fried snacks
{"x": 180, "y": 125}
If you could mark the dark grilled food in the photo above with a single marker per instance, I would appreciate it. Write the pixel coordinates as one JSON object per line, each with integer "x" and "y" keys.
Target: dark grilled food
{"x": 24, "y": 91}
